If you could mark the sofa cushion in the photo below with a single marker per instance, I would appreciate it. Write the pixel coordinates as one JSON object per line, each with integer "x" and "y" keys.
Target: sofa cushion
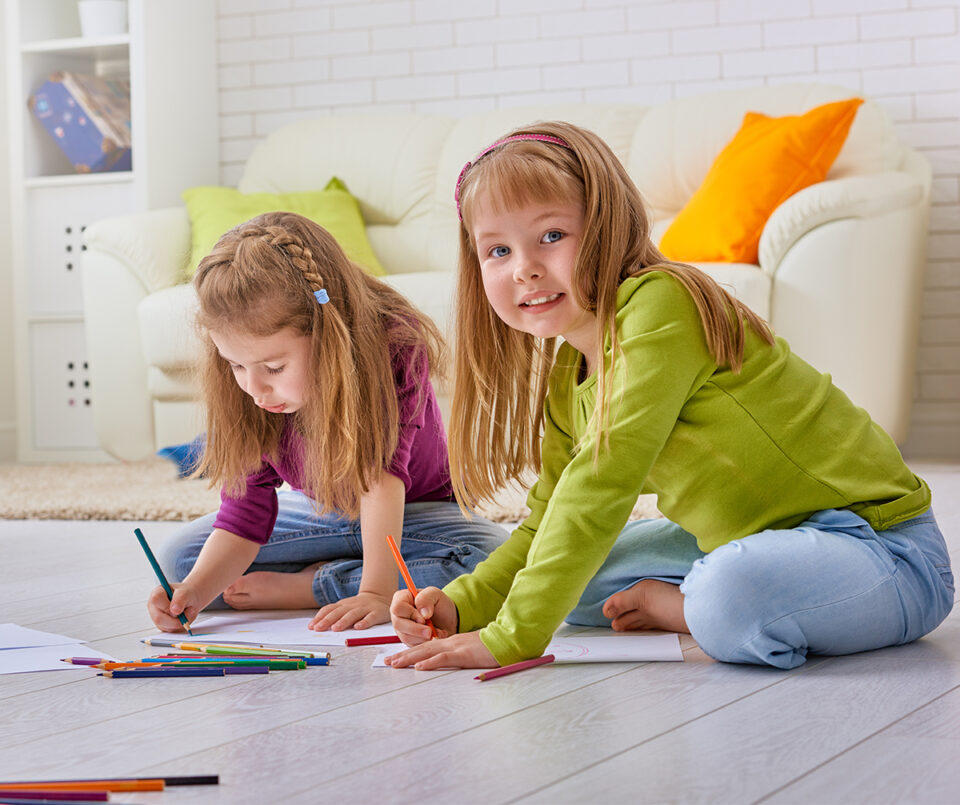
{"x": 767, "y": 161}
{"x": 675, "y": 143}
{"x": 216, "y": 210}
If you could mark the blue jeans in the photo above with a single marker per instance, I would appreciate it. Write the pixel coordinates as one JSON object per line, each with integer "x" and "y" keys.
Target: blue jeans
{"x": 831, "y": 585}
{"x": 438, "y": 544}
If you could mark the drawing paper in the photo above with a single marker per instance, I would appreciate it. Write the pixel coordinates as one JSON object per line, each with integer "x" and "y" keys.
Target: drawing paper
{"x": 14, "y": 636}
{"x": 46, "y": 658}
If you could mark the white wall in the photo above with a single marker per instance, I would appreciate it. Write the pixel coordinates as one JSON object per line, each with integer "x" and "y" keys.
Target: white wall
{"x": 8, "y": 440}
{"x": 283, "y": 60}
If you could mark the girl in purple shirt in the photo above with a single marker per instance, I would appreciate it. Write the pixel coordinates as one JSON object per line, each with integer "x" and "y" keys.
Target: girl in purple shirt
{"x": 318, "y": 375}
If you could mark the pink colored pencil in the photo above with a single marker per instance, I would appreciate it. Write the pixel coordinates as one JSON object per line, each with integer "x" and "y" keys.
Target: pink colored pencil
{"x": 66, "y": 797}
{"x": 372, "y": 641}
{"x": 517, "y": 666}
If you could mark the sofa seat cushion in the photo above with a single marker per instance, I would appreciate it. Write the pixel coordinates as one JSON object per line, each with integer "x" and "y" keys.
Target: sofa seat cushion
{"x": 746, "y": 282}
{"x": 173, "y": 385}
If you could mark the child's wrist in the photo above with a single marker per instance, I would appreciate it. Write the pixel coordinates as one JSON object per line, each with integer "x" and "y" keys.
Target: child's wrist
{"x": 379, "y": 592}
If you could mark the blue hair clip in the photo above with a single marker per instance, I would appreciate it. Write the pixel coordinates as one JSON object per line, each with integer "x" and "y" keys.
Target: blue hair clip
{"x": 322, "y": 296}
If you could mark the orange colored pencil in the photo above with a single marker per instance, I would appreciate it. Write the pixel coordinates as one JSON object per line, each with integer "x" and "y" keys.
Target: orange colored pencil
{"x": 406, "y": 576}
{"x": 87, "y": 785}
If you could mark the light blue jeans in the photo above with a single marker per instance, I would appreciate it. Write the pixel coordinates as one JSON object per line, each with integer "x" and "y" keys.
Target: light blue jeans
{"x": 832, "y": 585}
{"x": 438, "y": 544}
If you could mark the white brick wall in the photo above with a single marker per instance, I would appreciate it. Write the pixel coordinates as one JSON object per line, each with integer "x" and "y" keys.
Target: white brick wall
{"x": 285, "y": 60}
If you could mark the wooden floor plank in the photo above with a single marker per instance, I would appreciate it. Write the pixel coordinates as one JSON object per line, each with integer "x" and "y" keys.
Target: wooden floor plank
{"x": 914, "y": 760}
{"x": 532, "y": 747}
{"x": 755, "y": 746}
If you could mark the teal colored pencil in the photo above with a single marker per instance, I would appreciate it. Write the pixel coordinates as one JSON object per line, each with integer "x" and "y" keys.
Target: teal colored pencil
{"x": 163, "y": 579}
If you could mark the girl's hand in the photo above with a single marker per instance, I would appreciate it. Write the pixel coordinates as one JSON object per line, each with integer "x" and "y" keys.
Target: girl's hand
{"x": 410, "y": 622}
{"x": 359, "y": 611}
{"x": 164, "y": 611}
{"x": 459, "y": 651}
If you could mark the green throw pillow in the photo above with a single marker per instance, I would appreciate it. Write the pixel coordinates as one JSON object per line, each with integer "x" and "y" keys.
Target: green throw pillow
{"x": 216, "y": 210}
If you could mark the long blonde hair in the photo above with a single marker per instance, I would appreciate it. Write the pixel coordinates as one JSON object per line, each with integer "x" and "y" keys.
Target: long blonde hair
{"x": 259, "y": 279}
{"x": 500, "y": 373}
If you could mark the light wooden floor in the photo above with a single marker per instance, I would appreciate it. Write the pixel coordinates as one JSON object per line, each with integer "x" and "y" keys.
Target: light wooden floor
{"x": 877, "y": 727}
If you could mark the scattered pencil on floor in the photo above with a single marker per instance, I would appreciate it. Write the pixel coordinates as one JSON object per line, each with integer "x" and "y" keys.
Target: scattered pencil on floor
{"x": 517, "y": 666}
{"x": 30, "y": 796}
{"x": 106, "y": 784}
{"x": 372, "y": 641}
{"x": 83, "y": 660}
{"x": 229, "y": 648}
{"x": 165, "y": 673}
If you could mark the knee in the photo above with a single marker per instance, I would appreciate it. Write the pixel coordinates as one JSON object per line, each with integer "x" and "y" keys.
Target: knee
{"x": 727, "y": 603}
{"x": 178, "y": 553}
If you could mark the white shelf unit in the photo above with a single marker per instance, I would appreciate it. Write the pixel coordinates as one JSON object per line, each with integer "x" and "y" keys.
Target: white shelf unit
{"x": 169, "y": 57}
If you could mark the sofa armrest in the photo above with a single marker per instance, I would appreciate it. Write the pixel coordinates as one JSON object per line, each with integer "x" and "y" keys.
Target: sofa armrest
{"x": 851, "y": 197}
{"x": 154, "y": 246}
{"x": 126, "y": 259}
{"x": 847, "y": 297}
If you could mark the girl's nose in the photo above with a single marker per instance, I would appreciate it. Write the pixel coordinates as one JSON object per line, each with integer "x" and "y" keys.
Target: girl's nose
{"x": 255, "y": 386}
{"x": 526, "y": 268}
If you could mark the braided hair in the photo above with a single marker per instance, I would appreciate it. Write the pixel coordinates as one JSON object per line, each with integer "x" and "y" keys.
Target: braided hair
{"x": 282, "y": 271}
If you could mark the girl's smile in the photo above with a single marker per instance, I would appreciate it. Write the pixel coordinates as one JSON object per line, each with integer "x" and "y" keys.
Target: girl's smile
{"x": 527, "y": 257}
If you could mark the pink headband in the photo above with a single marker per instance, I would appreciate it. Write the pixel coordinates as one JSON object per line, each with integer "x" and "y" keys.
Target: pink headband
{"x": 544, "y": 138}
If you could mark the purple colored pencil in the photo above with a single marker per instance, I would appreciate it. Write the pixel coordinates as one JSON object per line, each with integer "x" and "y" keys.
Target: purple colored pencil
{"x": 83, "y": 660}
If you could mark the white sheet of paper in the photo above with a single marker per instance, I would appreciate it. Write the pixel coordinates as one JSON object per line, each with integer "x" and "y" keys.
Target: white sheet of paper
{"x": 599, "y": 648}
{"x": 268, "y": 629}
{"x": 616, "y": 648}
{"x": 46, "y": 658}
{"x": 13, "y": 636}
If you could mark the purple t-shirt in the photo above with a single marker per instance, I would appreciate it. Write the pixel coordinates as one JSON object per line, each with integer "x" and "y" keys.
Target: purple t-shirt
{"x": 420, "y": 460}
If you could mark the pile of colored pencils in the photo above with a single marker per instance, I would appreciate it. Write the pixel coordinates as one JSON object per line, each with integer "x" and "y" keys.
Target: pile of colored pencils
{"x": 204, "y": 659}
{"x": 79, "y": 792}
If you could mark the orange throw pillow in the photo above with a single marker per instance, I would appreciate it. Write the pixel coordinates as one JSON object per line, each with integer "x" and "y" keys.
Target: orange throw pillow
{"x": 766, "y": 162}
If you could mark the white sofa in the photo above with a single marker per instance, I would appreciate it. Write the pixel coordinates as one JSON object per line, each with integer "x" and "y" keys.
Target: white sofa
{"x": 840, "y": 270}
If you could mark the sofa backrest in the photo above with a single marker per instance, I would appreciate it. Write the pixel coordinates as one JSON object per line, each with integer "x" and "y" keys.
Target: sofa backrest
{"x": 402, "y": 168}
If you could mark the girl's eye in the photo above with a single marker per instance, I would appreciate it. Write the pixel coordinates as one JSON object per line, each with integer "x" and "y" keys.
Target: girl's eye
{"x": 274, "y": 371}
{"x": 552, "y": 236}
{"x": 499, "y": 251}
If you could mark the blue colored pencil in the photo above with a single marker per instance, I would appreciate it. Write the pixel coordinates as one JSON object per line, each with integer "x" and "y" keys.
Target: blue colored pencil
{"x": 163, "y": 579}
{"x": 134, "y": 673}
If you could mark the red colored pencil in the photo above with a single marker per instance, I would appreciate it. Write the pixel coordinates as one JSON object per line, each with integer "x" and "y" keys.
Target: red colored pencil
{"x": 406, "y": 576}
{"x": 372, "y": 641}
{"x": 517, "y": 666}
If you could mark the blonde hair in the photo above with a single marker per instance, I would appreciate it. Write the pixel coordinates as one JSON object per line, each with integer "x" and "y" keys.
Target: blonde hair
{"x": 259, "y": 279}
{"x": 500, "y": 373}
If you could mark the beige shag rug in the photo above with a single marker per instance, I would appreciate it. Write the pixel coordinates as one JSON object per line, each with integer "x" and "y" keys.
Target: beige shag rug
{"x": 150, "y": 490}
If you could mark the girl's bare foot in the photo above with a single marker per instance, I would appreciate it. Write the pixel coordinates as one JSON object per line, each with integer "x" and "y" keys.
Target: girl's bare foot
{"x": 649, "y": 604}
{"x": 264, "y": 589}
